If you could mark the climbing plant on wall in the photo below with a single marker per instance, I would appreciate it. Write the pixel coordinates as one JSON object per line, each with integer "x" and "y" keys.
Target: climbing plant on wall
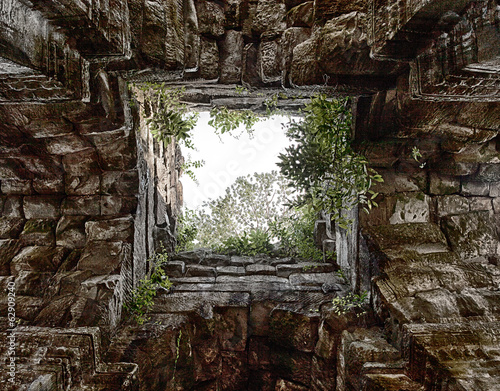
{"x": 322, "y": 164}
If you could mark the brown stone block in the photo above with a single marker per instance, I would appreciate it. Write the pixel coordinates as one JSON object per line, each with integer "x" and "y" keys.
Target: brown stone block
{"x": 119, "y": 229}
{"x": 292, "y": 365}
{"x": 13, "y": 207}
{"x": 234, "y": 374}
{"x": 231, "y": 57}
{"x": 28, "y": 307}
{"x": 232, "y": 329}
{"x": 209, "y": 59}
{"x": 82, "y": 206}
{"x": 57, "y": 313}
{"x": 8, "y": 249}
{"x": 210, "y": 18}
{"x": 70, "y": 231}
{"x": 104, "y": 257}
{"x": 82, "y": 185}
{"x": 32, "y": 283}
{"x": 301, "y": 16}
{"x": 52, "y": 127}
{"x": 261, "y": 381}
{"x": 121, "y": 183}
{"x": 63, "y": 145}
{"x": 16, "y": 186}
{"x": 42, "y": 207}
{"x": 269, "y": 16}
{"x": 259, "y": 353}
{"x": 116, "y": 151}
{"x": 38, "y": 233}
{"x": 81, "y": 163}
{"x": 48, "y": 185}
{"x": 38, "y": 259}
{"x": 293, "y": 330}
{"x": 116, "y": 205}
{"x": 285, "y": 385}
{"x": 10, "y": 227}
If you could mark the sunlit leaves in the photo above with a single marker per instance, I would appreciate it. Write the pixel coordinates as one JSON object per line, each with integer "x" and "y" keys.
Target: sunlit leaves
{"x": 322, "y": 164}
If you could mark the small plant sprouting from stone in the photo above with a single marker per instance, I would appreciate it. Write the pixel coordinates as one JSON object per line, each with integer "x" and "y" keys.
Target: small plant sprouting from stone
{"x": 240, "y": 90}
{"x": 141, "y": 299}
{"x": 341, "y": 274}
{"x": 351, "y": 301}
{"x": 417, "y": 155}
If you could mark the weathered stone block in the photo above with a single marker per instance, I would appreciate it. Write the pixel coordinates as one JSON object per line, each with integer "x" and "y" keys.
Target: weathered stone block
{"x": 496, "y": 205}
{"x": 38, "y": 233}
{"x": 10, "y": 227}
{"x": 38, "y": 259}
{"x": 28, "y": 307}
{"x": 231, "y": 57}
{"x": 116, "y": 152}
{"x": 301, "y": 16}
{"x": 210, "y": 18}
{"x": 230, "y": 270}
{"x": 411, "y": 208}
{"x": 113, "y": 230}
{"x": 495, "y": 189}
{"x": 269, "y": 16}
{"x": 174, "y": 269}
{"x": 16, "y": 186}
{"x": 200, "y": 271}
{"x": 480, "y": 203}
{"x": 269, "y": 58}
{"x": 82, "y": 185}
{"x": 30, "y": 283}
{"x": 119, "y": 182}
{"x": 81, "y": 163}
{"x": 63, "y": 145}
{"x": 314, "y": 278}
{"x": 13, "y": 207}
{"x": 42, "y": 207}
{"x": 304, "y": 68}
{"x": 435, "y": 305}
{"x": 70, "y": 231}
{"x": 475, "y": 188}
{"x": 489, "y": 173}
{"x": 293, "y": 330}
{"x": 443, "y": 184}
{"x": 48, "y": 186}
{"x": 41, "y": 128}
{"x": 471, "y": 235}
{"x": 260, "y": 269}
{"x": 116, "y": 205}
{"x": 232, "y": 330}
{"x": 291, "y": 37}
{"x": 104, "y": 257}
{"x": 8, "y": 249}
{"x": 451, "y": 205}
{"x": 81, "y": 206}
{"x": 209, "y": 59}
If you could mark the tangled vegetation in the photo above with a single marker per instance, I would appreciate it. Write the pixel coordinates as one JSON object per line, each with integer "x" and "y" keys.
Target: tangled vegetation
{"x": 322, "y": 164}
{"x": 141, "y": 299}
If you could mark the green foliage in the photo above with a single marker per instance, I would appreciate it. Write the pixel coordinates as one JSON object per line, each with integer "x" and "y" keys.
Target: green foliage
{"x": 240, "y": 90}
{"x": 224, "y": 120}
{"x": 188, "y": 166}
{"x": 350, "y": 302}
{"x": 169, "y": 118}
{"x": 141, "y": 299}
{"x": 417, "y": 155}
{"x": 251, "y": 218}
{"x": 187, "y": 231}
{"x": 321, "y": 163}
{"x": 256, "y": 242}
{"x": 295, "y": 234}
{"x": 250, "y": 203}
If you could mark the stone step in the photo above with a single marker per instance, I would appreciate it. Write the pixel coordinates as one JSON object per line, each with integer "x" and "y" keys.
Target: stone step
{"x": 468, "y": 350}
{"x": 243, "y": 287}
{"x": 424, "y": 238}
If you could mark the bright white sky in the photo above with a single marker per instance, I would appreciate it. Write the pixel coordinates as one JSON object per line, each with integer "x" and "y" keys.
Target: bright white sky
{"x": 231, "y": 158}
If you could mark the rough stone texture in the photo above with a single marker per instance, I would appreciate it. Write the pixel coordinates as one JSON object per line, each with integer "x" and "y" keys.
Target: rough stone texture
{"x": 78, "y": 169}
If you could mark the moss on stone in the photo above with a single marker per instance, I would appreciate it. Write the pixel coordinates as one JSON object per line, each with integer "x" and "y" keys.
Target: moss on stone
{"x": 38, "y": 226}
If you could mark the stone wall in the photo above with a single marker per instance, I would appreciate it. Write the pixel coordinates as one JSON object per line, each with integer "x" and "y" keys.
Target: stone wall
{"x": 86, "y": 195}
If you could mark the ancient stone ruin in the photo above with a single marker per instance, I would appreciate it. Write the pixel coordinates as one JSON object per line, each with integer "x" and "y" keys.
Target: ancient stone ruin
{"x": 87, "y": 195}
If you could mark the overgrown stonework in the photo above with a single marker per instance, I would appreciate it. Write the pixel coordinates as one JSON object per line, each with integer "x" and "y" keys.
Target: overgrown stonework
{"x": 86, "y": 194}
